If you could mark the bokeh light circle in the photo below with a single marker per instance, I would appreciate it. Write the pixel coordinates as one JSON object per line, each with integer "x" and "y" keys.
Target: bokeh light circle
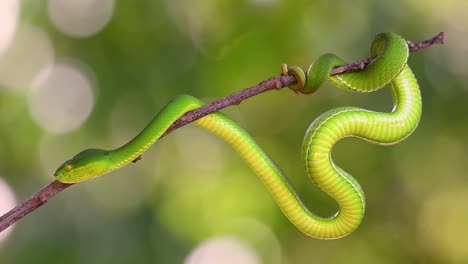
{"x": 9, "y": 12}
{"x": 260, "y": 236}
{"x": 7, "y": 202}
{"x": 61, "y": 98}
{"x": 30, "y": 51}
{"x": 78, "y": 18}
{"x": 226, "y": 250}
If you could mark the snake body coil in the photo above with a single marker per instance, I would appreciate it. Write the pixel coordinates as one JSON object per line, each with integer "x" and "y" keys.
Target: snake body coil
{"x": 380, "y": 128}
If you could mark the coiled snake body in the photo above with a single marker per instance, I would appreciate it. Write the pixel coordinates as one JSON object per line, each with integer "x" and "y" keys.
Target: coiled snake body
{"x": 379, "y": 128}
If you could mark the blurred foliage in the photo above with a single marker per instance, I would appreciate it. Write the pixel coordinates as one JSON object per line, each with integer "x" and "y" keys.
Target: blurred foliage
{"x": 191, "y": 186}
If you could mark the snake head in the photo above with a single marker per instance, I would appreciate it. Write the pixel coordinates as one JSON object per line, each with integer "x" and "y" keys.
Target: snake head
{"x": 85, "y": 165}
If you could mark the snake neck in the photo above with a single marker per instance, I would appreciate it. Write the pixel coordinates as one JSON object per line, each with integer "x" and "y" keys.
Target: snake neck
{"x": 171, "y": 112}
{"x": 135, "y": 147}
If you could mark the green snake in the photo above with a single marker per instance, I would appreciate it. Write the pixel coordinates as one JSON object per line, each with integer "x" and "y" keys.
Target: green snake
{"x": 380, "y": 128}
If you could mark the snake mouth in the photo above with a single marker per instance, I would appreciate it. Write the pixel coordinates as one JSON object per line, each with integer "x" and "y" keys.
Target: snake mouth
{"x": 58, "y": 175}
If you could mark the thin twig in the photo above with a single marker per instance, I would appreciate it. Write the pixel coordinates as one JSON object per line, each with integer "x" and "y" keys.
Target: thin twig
{"x": 273, "y": 83}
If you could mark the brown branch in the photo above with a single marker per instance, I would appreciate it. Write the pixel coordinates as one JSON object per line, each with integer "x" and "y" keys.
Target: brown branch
{"x": 273, "y": 83}
{"x": 32, "y": 203}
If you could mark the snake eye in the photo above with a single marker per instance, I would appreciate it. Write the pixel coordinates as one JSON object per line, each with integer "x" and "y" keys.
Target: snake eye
{"x": 68, "y": 167}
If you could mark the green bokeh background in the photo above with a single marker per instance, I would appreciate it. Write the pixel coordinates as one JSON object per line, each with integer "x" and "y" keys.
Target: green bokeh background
{"x": 191, "y": 187}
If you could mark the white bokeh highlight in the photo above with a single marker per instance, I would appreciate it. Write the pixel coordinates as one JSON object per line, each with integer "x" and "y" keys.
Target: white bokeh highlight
{"x": 30, "y": 51}
{"x": 80, "y": 18}
{"x": 7, "y": 202}
{"x": 260, "y": 236}
{"x": 61, "y": 98}
{"x": 9, "y": 13}
{"x": 226, "y": 250}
